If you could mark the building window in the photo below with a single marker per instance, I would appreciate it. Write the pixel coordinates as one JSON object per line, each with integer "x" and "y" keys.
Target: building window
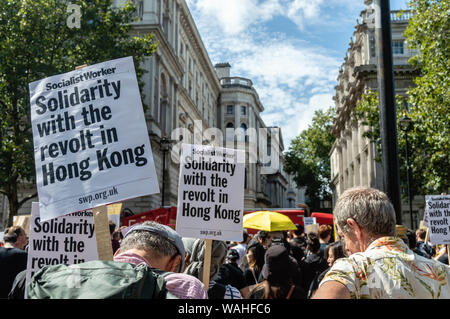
{"x": 229, "y": 109}
{"x": 397, "y": 47}
{"x": 243, "y": 110}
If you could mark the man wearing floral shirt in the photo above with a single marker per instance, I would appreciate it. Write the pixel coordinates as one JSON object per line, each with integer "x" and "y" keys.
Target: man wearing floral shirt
{"x": 380, "y": 265}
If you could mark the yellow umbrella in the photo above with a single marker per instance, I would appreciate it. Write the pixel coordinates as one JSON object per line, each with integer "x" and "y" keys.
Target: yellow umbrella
{"x": 268, "y": 221}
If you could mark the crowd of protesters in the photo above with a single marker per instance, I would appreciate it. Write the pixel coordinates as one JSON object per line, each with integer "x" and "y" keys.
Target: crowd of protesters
{"x": 366, "y": 259}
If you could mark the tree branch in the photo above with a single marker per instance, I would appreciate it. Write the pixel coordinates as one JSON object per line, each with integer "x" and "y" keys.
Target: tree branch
{"x": 26, "y": 199}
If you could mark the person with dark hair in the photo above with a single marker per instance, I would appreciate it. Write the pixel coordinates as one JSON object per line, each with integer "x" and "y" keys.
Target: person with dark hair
{"x": 195, "y": 256}
{"x": 255, "y": 258}
{"x": 231, "y": 274}
{"x": 264, "y": 238}
{"x": 422, "y": 248}
{"x": 115, "y": 236}
{"x": 411, "y": 240}
{"x": 242, "y": 246}
{"x": 278, "y": 282}
{"x": 316, "y": 262}
{"x": 333, "y": 252}
{"x": 13, "y": 258}
{"x": 298, "y": 239}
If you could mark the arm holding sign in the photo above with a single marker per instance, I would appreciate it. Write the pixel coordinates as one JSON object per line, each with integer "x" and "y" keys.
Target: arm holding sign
{"x": 301, "y": 205}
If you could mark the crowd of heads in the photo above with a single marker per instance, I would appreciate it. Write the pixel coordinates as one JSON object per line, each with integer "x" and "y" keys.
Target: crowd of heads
{"x": 265, "y": 265}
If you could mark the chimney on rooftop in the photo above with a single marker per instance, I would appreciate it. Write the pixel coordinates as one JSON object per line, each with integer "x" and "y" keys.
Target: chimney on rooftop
{"x": 223, "y": 70}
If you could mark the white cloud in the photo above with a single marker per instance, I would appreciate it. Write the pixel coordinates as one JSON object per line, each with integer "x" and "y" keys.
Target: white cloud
{"x": 290, "y": 125}
{"x": 293, "y": 77}
{"x": 301, "y": 11}
{"x": 234, "y": 16}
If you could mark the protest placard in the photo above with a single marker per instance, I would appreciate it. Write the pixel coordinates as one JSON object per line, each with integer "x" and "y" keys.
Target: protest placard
{"x": 65, "y": 240}
{"x": 310, "y": 224}
{"x": 312, "y": 228}
{"x": 211, "y": 193}
{"x": 23, "y": 221}
{"x": 90, "y": 139}
{"x": 437, "y": 208}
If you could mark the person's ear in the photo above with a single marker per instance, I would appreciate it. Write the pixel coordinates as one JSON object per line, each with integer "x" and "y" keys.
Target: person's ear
{"x": 174, "y": 264}
{"x": 355, "y": 228}
{"x": 187, "y": 261}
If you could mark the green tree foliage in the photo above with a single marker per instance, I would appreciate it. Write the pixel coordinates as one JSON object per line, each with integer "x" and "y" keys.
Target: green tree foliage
{"x": 308, "y": 157}
{"x": 429, "y": 32}
{"x": 427, "y": 103}
{"x": 35, "y": 42}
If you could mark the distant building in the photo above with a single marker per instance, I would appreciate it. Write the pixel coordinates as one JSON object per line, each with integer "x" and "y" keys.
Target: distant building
{"x": 352, "y": 155}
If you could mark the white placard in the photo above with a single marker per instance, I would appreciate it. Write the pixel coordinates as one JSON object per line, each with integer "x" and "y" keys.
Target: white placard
{"x": 211, "y": 193}
{"x": 65, "y": 240}
{"x": 309, "y": 221}
{"x": 90, "y": 139}
{"x": 437, "y": 208}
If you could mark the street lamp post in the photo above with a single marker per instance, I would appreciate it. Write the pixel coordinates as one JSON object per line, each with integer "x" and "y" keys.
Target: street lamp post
{"x": 164, "y": 143}
{"x": 406, "y": 125}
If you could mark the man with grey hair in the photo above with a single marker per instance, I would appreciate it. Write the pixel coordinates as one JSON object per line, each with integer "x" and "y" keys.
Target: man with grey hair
{"x": 380, "y": 265}
{"x": 161, "y": 247}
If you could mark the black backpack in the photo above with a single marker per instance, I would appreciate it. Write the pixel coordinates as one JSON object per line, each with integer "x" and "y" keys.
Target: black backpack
{"x": 99, "y": 280}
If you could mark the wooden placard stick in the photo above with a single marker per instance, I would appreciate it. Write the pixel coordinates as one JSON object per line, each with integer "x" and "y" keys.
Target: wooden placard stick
{"x": 427, "y": 235}
{"x": 102, "y": 234}
{"x": 207, "y": 263}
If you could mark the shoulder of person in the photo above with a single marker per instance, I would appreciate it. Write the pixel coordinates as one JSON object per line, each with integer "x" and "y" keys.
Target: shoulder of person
{"x": 232, "y": 292}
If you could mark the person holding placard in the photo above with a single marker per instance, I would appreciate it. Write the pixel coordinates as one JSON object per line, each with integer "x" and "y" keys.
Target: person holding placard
{"x": 381, "y": 265}
{"x": 278, "y": 277}
{"x": 150, "y": 258}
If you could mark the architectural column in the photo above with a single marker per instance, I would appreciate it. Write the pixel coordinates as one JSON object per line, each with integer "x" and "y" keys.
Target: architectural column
{"x": 175, "y": 118}
{"x": 364, "y": 168}
{"x": 371, "y": 165}
{"x": 350, "y": 158}
{"x": 174, "y": 27}
{"x": 237, "y": 120}
{"x": 356, "y": 158}
{"x": 344, "y": 164}
{"x": 157, "y": 92}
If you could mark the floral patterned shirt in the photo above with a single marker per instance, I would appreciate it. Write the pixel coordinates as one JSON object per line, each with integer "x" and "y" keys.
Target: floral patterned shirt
{"x": 388, "y": 269}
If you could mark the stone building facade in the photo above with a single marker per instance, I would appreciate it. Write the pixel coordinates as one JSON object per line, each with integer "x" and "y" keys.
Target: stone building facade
{"x": 352, "y": 155}
{"x": 186, "y": 95}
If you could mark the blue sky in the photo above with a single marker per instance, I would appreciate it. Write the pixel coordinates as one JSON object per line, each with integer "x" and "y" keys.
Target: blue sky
{"x": 290, "y": 49}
